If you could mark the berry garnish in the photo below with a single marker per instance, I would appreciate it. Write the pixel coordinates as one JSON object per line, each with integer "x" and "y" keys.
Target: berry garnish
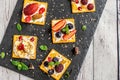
{"x": 90, "y": 6}
{"x": 79, "y": 8}
{"x": 77, "y": 1}
{"x": 20, "y": 38}
{"x": 31, "y": 9}
{"x": 59, "y": 68}
{"x": 49, "y": 59}
{"x": 84, "y": 2}
{"x": 46, "y": 63}
{"x": 21, "y": 46}
{"x": 50, "y": 72}
{"x": 70, "y": 26}
{"x": 58, "y": 34}
{"x": 32, "y": 39}
{"x": 28, "y": 19}
{"x": 42, "y": 10}
{"x": 55, "y": 59}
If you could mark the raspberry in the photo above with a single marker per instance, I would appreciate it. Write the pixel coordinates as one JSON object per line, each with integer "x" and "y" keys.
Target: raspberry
{"x": 21, "y": 47}
{"x": 59, "y": 68}
{"x": 20, "y": 38}
{"x": 32, "y": 39}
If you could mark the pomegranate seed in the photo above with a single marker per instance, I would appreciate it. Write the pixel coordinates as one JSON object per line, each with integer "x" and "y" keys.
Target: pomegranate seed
{"x": 90, "y": 6}
{"x": 28, "y": 19}
{"x": 41, "y": 10}
{"x": 21, "y": 47}
{"x": 20, "y": 38}
{"x": 32, "y": 39}
{"x": 80, "y": 8}
{"x": 49, "y": 59}
{"x": 77, "y": 1}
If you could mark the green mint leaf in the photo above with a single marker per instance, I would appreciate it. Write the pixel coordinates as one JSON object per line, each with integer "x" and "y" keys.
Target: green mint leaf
{"x": 84, "y": 27}
{"x": 57, "y": 63}
{"x": 66, "y": 30}
{"x": 67, "y": 74}
{"x": 19, "y": 67}
{"x": 19, "y": 27}
{"x": 43, "y": 47}
{"x": 15, "y": 63}
{"x": 2, "y": 55}
{"x": 51, "y": 63}
{"x": 24, "y": 66}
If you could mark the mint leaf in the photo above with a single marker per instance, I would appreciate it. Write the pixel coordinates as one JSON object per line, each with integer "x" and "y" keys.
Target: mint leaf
{"x": 2, "y": 55}
{"x": 43, "y": 47}
{"x": 66, "y": 30}
{"x": 15, "y": 63}
{"x": 51, "y": 63}
{"x": 84, "y": 27}
{"x": 57, "y": 63}
{"x": 24, "y": 66}
{"x": 19, "y": 67}
{"x": 19, "y": 27}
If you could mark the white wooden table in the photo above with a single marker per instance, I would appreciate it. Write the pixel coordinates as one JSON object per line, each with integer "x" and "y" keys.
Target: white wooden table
{"x": 101, "y": 60}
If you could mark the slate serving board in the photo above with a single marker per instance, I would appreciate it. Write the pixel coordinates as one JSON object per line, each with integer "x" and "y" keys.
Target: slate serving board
{"x": 57, "y": 9}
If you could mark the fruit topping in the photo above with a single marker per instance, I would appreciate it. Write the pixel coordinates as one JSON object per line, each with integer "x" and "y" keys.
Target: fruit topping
{"x": 80, "y": 8}
{"x": 49, "y": 59}
{"x": 20, "y": 38}
{"x": 59, "y": 68}
{"x": 59, "y": 25}
{"x": 42, "y": 10}
{"x": 84, "y": 2}
{"x": 58, "y": 34}
{"x": 28, "y": 19}
{"x": 37, "y": 16}
{"x": 90, "y": 6}
{"x": 68, "y": 36}
{"x": 50, "y": 72}
{"x": 31, "y": 9}
{"x": 32, "y": 39}
{"x": 70, "y": 25}
{"x": 55, "y": 59}
{"x": 77, "y": 1}
{"x": 21, "y": 46}
{"x": 65, "y": 30}
{"x": 46, "y": 63}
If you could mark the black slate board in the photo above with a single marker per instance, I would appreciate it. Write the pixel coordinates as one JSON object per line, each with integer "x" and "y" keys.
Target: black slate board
{"x": 55, "y": 11}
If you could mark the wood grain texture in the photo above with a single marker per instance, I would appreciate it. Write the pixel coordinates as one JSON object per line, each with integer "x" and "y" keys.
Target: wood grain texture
{"x": 101, "y": 60}
{"x": 105, "y": 45}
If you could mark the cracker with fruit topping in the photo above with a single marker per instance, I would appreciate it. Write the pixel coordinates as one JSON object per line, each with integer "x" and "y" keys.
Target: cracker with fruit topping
{"x": 63, "y": 31}
{"x": 80, "y": 6}
{"x": 34, "y": 12}
{"x": 55, "y": 64}
{"x": 24, "y": 47}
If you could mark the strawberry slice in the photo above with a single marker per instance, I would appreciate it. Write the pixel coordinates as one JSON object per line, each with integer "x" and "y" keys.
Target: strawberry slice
{"x": 42, "y": 10}
{"x": 28, "y": 19}
{"x": 59, "y": 25}
{"x": 31, "y": 9}
{"x": 68, "y": 36}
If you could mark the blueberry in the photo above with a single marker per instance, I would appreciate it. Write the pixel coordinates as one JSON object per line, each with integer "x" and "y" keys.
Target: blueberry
{"x": 50, "y": 72}
{"x": 58, "y": 34}
{"x": 70, "y": 26}
{"x": 55, "y": 59}
{"x": 46, "y": 63}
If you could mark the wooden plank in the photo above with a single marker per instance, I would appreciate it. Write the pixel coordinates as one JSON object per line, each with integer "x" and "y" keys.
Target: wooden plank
{"x": 86, "y": 72}
{"x": 105, "y": 45}
{"x": 119, "y": 32}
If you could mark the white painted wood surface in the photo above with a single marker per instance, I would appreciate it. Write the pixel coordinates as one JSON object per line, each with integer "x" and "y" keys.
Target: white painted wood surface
{"x": 101, "y": 60}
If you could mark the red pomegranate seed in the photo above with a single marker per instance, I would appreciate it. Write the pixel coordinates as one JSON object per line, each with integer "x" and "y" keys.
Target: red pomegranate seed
{"x": 21, "y": 47}
{"x": 42, "y": 10}
{"x": 49, "y": 59}
{"x": 32, "y": 39}
{"x": 28, "y": 19}
{"x": 77, "y": 1}
{"x": 90, "y": 6}
{"x": 20, "y": 38}
{"x": 80, "y": 8}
